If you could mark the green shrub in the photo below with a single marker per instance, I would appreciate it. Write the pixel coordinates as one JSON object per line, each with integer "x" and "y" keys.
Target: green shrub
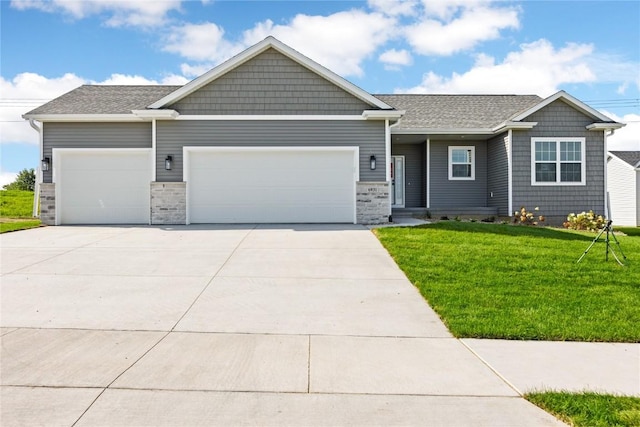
{"x": 585, "y": 221}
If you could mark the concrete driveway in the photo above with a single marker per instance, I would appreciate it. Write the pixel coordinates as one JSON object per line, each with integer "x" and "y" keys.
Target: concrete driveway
{"x": 230, "y": 325}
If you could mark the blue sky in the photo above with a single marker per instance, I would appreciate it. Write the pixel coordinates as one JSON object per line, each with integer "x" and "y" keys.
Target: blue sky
{"x": 591, "y": 49}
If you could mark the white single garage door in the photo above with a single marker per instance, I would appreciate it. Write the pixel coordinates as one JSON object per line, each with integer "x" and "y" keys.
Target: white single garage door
{"x": 271, "y": 185}
{"x": 95, "y": 186}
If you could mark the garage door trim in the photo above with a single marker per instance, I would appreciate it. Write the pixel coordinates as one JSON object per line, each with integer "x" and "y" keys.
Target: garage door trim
{"x": 187, "y": 150}
{"x": 58, "y": 153}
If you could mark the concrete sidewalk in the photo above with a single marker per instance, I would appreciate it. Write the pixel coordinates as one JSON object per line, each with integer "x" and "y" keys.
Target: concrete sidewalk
{"x": 233, "y": 325}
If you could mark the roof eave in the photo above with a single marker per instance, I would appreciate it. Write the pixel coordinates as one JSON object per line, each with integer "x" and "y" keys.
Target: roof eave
{"x": 510, "y": 125}
{"x": 83, "y": 117}
{"x": 605, "y": 126}
{"x": 433, "y": 131}
{"x": 253, "y": 51}
{"x": 383, "y": 114}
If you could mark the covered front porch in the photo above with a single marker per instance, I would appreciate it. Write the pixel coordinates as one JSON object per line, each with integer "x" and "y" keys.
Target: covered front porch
{"x": 448, "y": 175}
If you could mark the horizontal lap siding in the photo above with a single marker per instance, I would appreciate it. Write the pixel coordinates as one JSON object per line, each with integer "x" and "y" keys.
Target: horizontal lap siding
{"x": 457, "y": 193}
{"x": 558, "y": 119}
{"x": 414, "y": 164}
{"x": 94, "y": 135}
{"x": 270, "y": 83}
{"x": 172, "y": 136}
{"x": 623, "y": 197}
{"x": 498, "y": 173}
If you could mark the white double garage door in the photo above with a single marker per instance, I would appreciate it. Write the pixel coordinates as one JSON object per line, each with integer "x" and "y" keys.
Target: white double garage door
{"x": 224, "y": 185}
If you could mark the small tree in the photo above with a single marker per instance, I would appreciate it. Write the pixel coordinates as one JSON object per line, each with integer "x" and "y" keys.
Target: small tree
{"x": 26, "y": 180}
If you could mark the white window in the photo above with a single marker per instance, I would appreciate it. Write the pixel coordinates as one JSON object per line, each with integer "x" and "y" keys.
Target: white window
{"x": 462, "y": 163}
{"x": 557, "y": 161}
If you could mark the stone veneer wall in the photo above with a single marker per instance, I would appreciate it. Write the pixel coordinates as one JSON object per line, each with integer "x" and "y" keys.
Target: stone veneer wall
{"x": 168, "y": 203}
{"x": 48, "y": 203}
{"x": 373, "y": 205}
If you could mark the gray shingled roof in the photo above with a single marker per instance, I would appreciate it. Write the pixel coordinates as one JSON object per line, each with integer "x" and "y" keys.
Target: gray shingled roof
{"x": 457, "y": 111}
{"x": 422, "y": 111}
{"x": 631, "y": 157}
{"x": 98, "y": 99}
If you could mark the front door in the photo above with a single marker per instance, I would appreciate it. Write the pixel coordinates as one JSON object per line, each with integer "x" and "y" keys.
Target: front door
{"x": 397, "y": 181}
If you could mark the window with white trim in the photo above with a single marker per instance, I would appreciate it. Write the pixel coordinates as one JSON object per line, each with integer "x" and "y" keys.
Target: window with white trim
{"x": 462, "y": 163}
{"x": 557, "y": 161}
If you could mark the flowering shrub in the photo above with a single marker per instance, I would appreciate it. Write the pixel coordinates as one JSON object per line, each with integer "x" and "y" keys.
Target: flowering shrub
{"x": 527, "y": 218}
{"x": 584, "y": 221}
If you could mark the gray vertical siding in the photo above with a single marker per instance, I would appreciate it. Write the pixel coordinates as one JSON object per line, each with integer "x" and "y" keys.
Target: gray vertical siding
{"x": 415, "y": 194}
{"x": 172, "y": 136}
{"x": 270, "y": 83}
{"x": 457, "y": 193}
{"x": 498, "y": 173}
{"x": 94, "y": 135}
{"x": 559, "y": 119}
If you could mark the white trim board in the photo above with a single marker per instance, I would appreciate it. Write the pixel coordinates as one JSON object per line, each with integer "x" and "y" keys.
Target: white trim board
{"x": 574, "y": 102}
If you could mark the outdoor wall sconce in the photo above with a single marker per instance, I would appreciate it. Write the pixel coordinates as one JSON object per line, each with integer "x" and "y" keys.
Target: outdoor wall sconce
{"x": 372, "y": 162}
{"x": 167, "y": 163}
{"x": 45, "y": 164}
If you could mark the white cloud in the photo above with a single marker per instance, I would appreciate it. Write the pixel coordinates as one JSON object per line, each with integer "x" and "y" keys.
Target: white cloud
{"x": 142, "y": 13}
{"x": 340, "y": 41}
{"x": 450, "y": 27}
{"x": 627, "y": 138}
{"x": 537, "y": 68}
{"x": 394, "y": 7}
{"x": 27, "y": 91}
{"x": 201, "y": 42}
{"x": 7, "y": 178}
{"x": 396, "y": 58}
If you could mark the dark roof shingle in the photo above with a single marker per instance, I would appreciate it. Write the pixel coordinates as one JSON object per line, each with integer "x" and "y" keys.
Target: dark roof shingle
{"x": 457, "y": 111}
{"x": 98, "y": 99}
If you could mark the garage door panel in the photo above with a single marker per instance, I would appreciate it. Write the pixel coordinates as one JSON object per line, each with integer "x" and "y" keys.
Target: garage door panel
{"x": 271, "y": 186}
{"x": 104, "y": 187}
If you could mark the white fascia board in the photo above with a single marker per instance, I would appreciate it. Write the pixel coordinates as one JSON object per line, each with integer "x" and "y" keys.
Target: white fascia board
{"x": 576, "y": 103}
{"x": 155, "y": 114}
{"x": 253, "y": 51}
{"x": 269, "y": 117}
{"x": 514, "y": 125}
{"x": 481, "y": 131}
{"x": 605, "y": 126}
{"x": 83, "y": 117}
{"x": 383, "y": 114}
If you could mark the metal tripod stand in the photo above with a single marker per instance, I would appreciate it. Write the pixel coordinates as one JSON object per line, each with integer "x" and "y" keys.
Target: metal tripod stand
{"x": 609, "y": 230}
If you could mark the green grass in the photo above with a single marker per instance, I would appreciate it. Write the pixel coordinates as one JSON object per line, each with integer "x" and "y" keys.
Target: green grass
{"x": 517, "y": 282}
{"x": 590, "y": 409}
{"x": 629, "y": 231}
{"x": 18, "y": 225}
{"x": 15, "y": 211}
{"x": 16, "y": 204}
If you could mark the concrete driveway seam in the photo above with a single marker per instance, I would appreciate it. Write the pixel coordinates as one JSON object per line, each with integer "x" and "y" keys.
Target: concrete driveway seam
{"x": 54, "y": 256}
{"x": 488, "y": 365}
{"x": 213, "y": 277}
{"x": 118, "y": 376}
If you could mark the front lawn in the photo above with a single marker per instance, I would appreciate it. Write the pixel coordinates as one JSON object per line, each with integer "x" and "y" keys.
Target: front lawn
{"x": 16, "y": 210}
{"x": 518, "y": 282}
{"x": 590, "y": 409}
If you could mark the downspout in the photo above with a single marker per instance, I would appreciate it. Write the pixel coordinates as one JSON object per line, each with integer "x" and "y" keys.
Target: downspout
{"x": 387, "y": 159}
{"x": 39, "y": 177}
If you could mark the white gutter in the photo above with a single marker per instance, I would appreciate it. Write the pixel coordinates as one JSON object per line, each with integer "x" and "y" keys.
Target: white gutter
{"x": 39, "y": 177}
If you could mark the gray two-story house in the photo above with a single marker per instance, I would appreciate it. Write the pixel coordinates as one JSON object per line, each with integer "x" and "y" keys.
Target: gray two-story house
{"x": 272, "y": 137}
